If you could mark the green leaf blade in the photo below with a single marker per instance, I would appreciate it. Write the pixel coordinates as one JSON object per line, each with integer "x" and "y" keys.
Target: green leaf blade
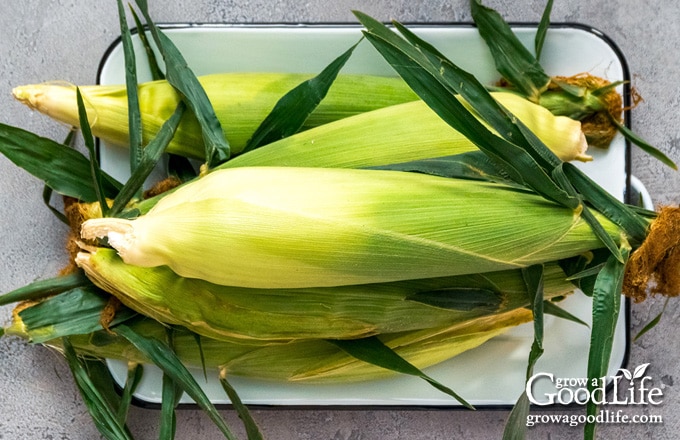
{"x": 63, "y": 169}
{"x": 516, "y": 426}
{"x": 373, "y": 351}
{"x": 43, "y": 288}
{"x": 474, "y": 165}
{"x": 134, "y": 376}
{"x": 644, "y": 145}
{"x": 653, "y": 323}
{"x": 463, "y": 299}
{"x": 513, "y": 61}
{"x": 180, "y": 76}
{"x": 134, "y": 115}
{"x": 436, "y": 88}
{"x": 164, "y": 358}
{"x": 171, "y": 394}
{"x": 150, "y": 157}
{"x": 635, "y": 226}
{"x": 95, "y": 170}
{"x": 550, "y": 308}
{"x": 252, "y": 429}
{"x": 156, "y": 71}
{"x": 542, "y": 30}
{"x": 292, "y": 110}
{"x": 606, "y": 306}
{"x": 99, "y": 408}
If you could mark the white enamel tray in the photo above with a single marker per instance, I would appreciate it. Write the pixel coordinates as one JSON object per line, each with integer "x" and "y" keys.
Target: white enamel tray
{"x": 489, "y": 376}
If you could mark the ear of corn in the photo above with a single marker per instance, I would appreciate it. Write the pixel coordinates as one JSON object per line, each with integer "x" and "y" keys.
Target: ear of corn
{"x": 273, "y": 227}
{"x": 226, "y": 312}
{"x": 240, "y": 100}
{"x": 406, "y": 132}
{"x": 309, "y": 361}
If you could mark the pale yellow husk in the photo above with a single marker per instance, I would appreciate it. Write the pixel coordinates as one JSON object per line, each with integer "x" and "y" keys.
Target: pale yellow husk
{"x": 279, "y": 227}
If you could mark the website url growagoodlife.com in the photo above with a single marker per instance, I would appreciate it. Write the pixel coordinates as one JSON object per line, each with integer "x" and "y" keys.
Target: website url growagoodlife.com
{"x": 603, "y": 417}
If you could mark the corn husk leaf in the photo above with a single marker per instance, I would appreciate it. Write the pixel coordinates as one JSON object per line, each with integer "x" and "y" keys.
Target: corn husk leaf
{"x": 292, "y": 110}
{"x": 63, "y": 169}
{"x": 312, "y": 227}
{"x": 43, "y": 288}
{"x": 134, "y": 114}
{"x": 606, "y": 307}
{"x": 75, "y": 313}
{"x": 515, "y": 427}
{"x": 163, "y": 357}
{"x": 102, "y": 413}
{"x": 373, "y": 351}
{"x": 308, "y": 360}
{"x": 437, "y": 83}
{"x": 95, "y": 170}
{"x": 512, "y": 59}
{"x": 405, "y": 132}
{"x": 181, "y": 77}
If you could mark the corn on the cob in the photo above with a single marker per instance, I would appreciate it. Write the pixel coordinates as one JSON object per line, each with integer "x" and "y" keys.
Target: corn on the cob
{"x": 394, "y": 134}
{"x": 277, "y": 227}
{"x": 311, "y": 361}
{"x": 225, "y": 312}
{"x": 241, "y": 101}
{"x": 406, "y": 132}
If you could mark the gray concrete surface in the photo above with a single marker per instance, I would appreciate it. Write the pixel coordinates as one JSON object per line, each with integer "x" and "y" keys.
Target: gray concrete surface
{"x": 64, "y": 39}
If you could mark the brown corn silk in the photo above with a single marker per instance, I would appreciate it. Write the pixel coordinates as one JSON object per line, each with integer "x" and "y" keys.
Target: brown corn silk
{"x": 653, "y": 267}
{"x": 598, "y": 127}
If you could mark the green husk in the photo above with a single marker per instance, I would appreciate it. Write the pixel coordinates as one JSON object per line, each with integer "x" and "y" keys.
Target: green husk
{"x": 277, "y": 227}
{"x": 241, "y": 102}
{"x": 226, "y": 312}
{"x": 406, "y": 132}
{"x": 308, "y": 361}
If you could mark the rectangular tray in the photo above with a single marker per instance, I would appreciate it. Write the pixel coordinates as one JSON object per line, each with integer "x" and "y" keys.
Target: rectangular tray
{"x": 491, "y": 375}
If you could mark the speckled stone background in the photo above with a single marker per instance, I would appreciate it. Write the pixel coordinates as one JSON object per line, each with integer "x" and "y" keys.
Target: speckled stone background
{"x": 44, "y": 40}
